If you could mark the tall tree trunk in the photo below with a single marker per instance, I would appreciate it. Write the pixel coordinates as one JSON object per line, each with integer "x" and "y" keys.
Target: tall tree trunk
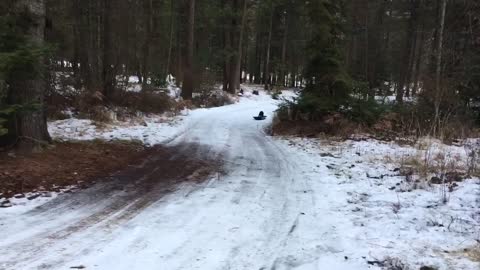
{"x": 99, "y": 48}
{"x": 80, "y": 53}
{"x": 367, "y": 44}
{"x": 187, "y": 89}
{"x": 226, "y": 48}
{"x": 108, "y": 72}
{"x": 418, "y": 57}
{"x": 27, "y": 88}
{"x": 258, "y": 59}
{"x": 91, "y": 67}
{"x": 226, "y": 59}
{"x": 284, "y": 48}
{"x": 238, "y": 64}
{"x": 170, "y": 41}
{"x": 269, "y": 45}
{"x": 438, "y": 67}
{"x": 413, "y": 30}
{"x": 179, "y": 51}
{"x": 148, "y": 8}
{"x": 245, "y": 62}
{"x": 376, "y": 77}
{"x": 233, "y": 53}
{"x": 387, "y": 47}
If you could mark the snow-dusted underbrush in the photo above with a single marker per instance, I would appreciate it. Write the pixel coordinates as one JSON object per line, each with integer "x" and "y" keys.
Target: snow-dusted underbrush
{"x": 212, "y": 98}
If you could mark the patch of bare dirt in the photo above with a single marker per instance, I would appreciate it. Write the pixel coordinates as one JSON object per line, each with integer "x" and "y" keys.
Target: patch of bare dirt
{"x": 65, "y": 164}
{"x": 126, "y": 193}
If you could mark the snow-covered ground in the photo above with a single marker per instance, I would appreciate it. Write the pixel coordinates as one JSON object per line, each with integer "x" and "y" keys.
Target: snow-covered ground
{"x": 283, "y": 203}
{"x": 375, "y": 214}
{"x": 151, "y": 130}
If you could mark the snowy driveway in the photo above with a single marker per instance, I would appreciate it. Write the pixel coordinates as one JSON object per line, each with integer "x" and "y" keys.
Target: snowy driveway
{"x": 272, "y": 209}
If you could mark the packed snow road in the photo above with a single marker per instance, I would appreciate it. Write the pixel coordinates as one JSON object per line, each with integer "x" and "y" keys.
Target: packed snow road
{"x": 245, "y": 218}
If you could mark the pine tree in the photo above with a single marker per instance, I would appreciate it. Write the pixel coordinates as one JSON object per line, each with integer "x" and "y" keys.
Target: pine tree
{"x": 328, "y": 84}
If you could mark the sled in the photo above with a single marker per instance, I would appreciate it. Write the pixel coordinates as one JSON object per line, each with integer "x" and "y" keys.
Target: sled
{"x": 259, "y": 118}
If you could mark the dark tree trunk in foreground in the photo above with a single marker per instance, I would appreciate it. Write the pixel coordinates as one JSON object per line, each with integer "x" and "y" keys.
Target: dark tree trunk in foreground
{"x": 27, "y": 88}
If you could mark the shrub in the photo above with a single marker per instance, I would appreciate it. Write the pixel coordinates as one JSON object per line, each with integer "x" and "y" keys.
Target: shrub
{"x": 365, "y": 111}
{"x": 159, "y": 81}
{"x": 276, "y": 95}
{"x": 210, "y": 99}
{"x": 97, "y": 107}
{"x": 283, "y": 112}
{"x": 418, "y": 119}
{"x": 144, "y": 101}
{"x": 154, "y": 102}
{"x": 208, "y": 93}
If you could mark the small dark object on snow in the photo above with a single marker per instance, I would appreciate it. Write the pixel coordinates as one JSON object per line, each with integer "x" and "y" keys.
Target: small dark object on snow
{"x": 452, "y": 187}
{"x": 326, "y": 155}
{"x": 240, "y": 93}
{"x": 255, "y": 92}
{"x": 376, "y": 263}
{"x": 375, "y": 176}
{"x": 428, "y": 268}
{"x": 78, "y": 267}
{"x": 436, "y": 180}
{"x": 261, "y": 116}
{"x": 19, "y": 196}
{"x": 33, "y": 197}
{"x": 5, "y": 204}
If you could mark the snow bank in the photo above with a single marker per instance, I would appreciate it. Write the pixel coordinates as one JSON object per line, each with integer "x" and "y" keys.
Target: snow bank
{"x": 149, "y": 130}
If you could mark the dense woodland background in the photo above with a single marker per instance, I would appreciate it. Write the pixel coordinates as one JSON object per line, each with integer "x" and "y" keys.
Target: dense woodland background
{"x": 411, "y": 67}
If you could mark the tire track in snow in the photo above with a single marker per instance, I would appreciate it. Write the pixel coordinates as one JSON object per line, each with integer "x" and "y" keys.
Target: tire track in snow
{"x": 276, "y": 227}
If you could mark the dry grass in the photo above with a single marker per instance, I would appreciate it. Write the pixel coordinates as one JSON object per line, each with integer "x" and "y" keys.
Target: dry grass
{"x": 433, "y": 165}
{"x": 473, "y": 254}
